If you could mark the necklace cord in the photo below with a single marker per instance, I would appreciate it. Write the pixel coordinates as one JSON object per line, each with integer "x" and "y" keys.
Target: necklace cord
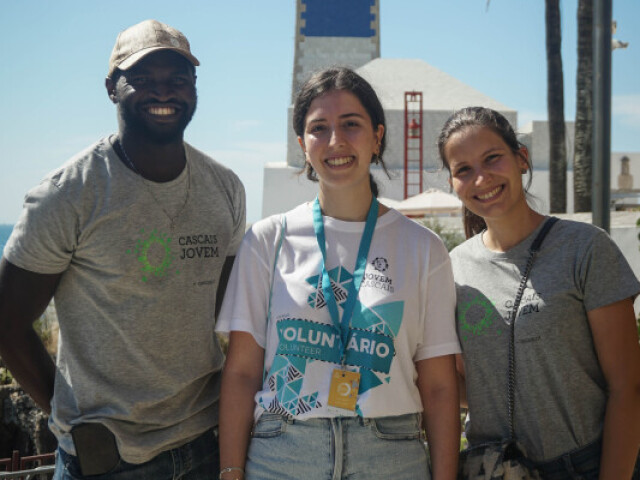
{"x": 132, "y": 166}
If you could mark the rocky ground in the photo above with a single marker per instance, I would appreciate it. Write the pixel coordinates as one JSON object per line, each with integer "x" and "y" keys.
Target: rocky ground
{"x": 23, "y": 426}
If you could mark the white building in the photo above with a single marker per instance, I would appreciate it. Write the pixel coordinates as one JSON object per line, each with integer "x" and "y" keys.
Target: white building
{"x": 391, "y": 78}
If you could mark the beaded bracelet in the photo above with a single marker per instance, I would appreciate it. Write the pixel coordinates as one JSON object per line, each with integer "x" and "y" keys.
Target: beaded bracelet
{"x": 230, "y": 469}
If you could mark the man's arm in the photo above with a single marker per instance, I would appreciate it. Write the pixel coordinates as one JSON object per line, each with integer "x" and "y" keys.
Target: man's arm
{"x": 222, "y": 283}
{"x": 24, "y": 296}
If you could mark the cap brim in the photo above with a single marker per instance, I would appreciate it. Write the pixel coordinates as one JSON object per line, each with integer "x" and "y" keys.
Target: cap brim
{"x": 130, "y": 61}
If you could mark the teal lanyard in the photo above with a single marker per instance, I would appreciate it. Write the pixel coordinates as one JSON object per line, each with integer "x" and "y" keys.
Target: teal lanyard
{"x": 358, "y": 272}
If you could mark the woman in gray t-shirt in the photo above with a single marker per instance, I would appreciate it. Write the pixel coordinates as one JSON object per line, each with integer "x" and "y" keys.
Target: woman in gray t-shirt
{"x": 577, "y": 358}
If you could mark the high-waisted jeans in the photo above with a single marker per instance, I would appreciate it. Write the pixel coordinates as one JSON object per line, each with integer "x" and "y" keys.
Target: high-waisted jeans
{"x": 351, "y": 448}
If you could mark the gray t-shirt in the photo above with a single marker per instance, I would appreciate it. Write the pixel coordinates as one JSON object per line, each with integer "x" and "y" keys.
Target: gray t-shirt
{"x": 135, "y": 303}
{"x": 560, "y": 394}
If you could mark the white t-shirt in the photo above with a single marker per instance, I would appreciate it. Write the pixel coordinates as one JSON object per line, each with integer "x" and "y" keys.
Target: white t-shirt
{"x": 404, "y": 313}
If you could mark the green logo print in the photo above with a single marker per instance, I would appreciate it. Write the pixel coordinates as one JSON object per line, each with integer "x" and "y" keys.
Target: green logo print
{"x": 154, "y": 253}
{"x": 476, "y": 316}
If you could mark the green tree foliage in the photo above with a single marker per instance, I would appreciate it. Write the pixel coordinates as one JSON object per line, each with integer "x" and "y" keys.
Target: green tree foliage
{"x": 5, "y": 376}
{"x": 451, "y": 238}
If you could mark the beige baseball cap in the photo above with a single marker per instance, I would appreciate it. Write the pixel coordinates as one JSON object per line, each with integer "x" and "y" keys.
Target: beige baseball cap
{"x": 138, "y": 41}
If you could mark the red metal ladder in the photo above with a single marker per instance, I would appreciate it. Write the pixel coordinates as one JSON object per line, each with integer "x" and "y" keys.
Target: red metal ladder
{"x": 412, "y": 143}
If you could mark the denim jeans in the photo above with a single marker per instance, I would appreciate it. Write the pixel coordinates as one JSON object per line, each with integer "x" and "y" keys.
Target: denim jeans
{"x": 196, "y": 460}
{"x": 580, "y": 464}
{"x": 351, "y": 448}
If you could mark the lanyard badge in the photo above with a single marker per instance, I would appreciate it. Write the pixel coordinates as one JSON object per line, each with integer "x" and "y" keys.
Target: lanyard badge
{"x": 343, "y": 391}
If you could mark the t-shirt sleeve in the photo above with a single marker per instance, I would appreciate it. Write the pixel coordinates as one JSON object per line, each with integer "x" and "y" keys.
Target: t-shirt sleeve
{"x": 438, "y": 315}
{"x": 605, "y": 276}
{"x": 246, "y": 299}
{"x": 45, "y": 236}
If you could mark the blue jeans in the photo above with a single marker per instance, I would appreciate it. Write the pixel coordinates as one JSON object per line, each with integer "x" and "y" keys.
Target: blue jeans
{"x": 580, "y": 464}
{"x": 196, "y": 460}
{"x": 351, "y": 448}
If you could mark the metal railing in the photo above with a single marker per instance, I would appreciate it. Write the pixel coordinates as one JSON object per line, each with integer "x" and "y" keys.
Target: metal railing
{"x": 38, "y": 473}
{"x": 31, "y": 467}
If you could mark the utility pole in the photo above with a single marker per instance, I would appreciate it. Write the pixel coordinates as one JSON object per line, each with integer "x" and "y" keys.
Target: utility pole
{"x": 601, "y": 200}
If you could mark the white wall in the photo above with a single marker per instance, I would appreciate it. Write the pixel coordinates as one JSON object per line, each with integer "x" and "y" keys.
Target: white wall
{"x": 540, "y": 191}
{"x": 284, "y": 189}
{"x": 535, "y": 135}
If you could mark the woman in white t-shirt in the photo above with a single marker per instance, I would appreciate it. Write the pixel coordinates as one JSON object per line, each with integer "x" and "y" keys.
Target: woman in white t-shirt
{"x": 341, "y": 319}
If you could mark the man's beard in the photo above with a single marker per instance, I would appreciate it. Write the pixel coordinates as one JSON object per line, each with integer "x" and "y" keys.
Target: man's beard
{"x": 138, "y": 128}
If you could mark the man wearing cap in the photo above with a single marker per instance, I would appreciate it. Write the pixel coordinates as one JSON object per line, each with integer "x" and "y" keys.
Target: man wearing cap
{"x": 133, "y": 239}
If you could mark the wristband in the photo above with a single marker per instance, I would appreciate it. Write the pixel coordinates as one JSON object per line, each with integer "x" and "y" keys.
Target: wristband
{"x": 230, "y": 469}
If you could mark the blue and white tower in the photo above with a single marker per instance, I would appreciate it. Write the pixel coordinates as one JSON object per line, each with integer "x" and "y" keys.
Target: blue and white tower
{"x": 330, "y": 33}
{"x": 334, "y": 32}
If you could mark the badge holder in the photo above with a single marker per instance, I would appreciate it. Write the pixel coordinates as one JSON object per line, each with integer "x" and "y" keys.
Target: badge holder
{"x": 343, "y": 391}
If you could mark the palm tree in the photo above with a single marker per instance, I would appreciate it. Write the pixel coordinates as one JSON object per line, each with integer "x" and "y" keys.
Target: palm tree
{"x": 555, "y": 108}
{"x": 582, "y": 155}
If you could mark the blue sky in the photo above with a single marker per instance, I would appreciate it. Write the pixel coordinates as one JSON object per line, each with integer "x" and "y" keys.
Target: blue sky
{"x": 54, "y": 57}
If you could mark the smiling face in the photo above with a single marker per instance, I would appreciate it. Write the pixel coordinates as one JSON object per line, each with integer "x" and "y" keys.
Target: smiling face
{"x": 486, "y": 173}
{"x": 156, "y": 97}
{"x": 339, "y": 140}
